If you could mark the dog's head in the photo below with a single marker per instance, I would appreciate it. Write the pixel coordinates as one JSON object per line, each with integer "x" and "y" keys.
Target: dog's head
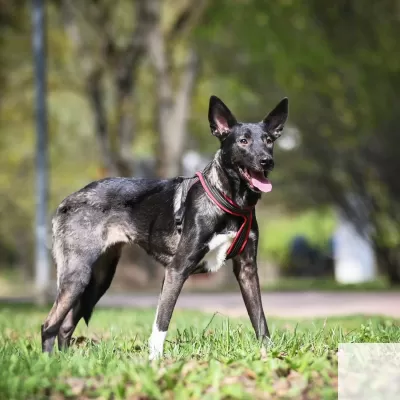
{"x": 247, "y": 148}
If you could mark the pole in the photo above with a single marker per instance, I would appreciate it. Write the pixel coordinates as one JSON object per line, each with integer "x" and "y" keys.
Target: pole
{"x": 42, "y": 267}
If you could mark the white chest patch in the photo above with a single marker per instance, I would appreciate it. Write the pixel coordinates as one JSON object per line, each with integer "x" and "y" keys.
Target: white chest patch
{"x": 218, "y": 245}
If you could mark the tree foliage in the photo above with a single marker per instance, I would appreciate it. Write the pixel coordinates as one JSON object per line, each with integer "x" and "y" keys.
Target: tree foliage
{"x": 131, "y": 79}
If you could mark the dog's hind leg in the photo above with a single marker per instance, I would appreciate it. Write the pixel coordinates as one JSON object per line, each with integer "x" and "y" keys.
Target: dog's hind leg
{"x": 103, "y": 271}
{"x": 71, "y": 287}
{"x": 68, "y": 326}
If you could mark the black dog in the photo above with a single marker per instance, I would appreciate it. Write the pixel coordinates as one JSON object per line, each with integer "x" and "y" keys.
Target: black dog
{"x": 190, "y": 225}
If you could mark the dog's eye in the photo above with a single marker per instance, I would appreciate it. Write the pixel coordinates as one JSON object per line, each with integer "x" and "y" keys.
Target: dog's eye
{"x": 243, "y": 141}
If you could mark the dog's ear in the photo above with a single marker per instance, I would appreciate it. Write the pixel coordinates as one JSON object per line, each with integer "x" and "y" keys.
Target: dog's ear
{"x": 220, "y": 118}
{"x": 275, "y": 120}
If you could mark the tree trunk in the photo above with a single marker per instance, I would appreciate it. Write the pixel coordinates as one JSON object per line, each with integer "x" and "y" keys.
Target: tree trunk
{"x": 115, "y": 143}
{"x": 173, "y": 131}
{"x": 95, "y": 96}
{"x": 172, "y": 106}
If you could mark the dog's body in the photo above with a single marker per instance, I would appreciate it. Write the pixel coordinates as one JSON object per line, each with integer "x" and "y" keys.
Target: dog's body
{"x": 91, "y": 226}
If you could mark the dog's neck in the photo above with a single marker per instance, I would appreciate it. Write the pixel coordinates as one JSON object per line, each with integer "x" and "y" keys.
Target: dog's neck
{"x": 228, "y": 181}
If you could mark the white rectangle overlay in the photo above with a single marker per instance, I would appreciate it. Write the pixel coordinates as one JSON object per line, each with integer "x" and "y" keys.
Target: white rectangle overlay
{"x": 369, "y": 371}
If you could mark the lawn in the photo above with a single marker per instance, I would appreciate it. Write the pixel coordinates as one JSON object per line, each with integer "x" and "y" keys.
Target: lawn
{"x": 207, "y": 357}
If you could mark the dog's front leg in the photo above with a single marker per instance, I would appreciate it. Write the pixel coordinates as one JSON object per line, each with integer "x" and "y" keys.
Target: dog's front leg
{"x": 190, "y": 252}
{"x": 245, "y": 269}
{"x": 170, "y": 290}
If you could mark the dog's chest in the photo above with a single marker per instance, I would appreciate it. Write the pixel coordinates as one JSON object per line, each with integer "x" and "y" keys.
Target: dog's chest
{"x": 218, "y": 247}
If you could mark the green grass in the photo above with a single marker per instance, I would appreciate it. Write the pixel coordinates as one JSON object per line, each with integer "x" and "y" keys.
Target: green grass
{"x": 206, "y": 357}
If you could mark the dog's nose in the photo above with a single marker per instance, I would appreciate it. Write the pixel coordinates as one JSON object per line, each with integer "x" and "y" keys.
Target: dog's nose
{"x": 267, "y": 163}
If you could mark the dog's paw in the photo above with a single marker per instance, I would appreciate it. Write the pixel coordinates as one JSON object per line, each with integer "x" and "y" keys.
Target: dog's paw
{"x": 267, "y": 342}
{"x": 156, "y": 344}
{"x": 155, "y": 355}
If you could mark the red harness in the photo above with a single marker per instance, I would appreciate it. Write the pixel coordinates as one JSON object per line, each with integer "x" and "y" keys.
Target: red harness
{"x": 229, "y": 206}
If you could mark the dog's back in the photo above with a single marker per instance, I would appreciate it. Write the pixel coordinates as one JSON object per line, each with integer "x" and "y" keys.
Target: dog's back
{"x": 116, "y": 211}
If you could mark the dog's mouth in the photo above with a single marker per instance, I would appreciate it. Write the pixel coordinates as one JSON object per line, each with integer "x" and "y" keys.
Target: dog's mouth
{"x": 257, "y": 180}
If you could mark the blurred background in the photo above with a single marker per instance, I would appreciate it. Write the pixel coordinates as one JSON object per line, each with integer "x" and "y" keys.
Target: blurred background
{"x": 127, "y": 90}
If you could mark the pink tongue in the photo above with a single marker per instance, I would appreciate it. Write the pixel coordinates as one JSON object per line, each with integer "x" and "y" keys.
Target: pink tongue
{"x": 260, "y": 181}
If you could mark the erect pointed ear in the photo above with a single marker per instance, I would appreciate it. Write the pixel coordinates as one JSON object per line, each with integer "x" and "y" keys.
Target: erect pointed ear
{"x": 275, "y": 120}
{"x": 220, "y": 118}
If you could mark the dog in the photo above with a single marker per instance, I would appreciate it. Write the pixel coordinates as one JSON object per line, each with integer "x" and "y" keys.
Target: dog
{"x": 190, "y": 225}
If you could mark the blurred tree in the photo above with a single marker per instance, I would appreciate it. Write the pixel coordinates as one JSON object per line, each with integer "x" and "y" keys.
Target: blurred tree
{"x": 113, "y": 41}
{"x": 339, "y": 65}
{"x": 15, "y": 240}
{"x": 130, "y": 67}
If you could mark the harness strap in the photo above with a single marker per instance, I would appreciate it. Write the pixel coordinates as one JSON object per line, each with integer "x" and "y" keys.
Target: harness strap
{"x": 224, "y": 203}
{"x": 229, "y": 206}
{"x": 186, "y": 184}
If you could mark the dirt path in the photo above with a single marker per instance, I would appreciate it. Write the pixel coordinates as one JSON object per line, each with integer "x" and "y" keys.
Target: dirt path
{"x": 284, "y": 305}
{"x": 294, "y": 304}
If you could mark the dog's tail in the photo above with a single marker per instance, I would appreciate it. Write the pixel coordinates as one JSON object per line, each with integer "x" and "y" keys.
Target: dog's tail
{"x": 103, "y": 272}
{"x": 88, "y": 301}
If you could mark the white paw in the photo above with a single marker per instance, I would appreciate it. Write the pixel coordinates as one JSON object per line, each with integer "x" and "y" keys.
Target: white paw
{"x": 156, "y": 344}
{"x": 154, "y": 355}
